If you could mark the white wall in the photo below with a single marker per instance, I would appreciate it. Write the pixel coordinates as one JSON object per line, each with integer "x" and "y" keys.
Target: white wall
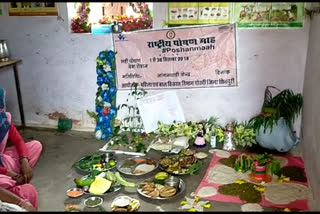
{"x": 311, "y": 111}
{"x": 58, "y": 70}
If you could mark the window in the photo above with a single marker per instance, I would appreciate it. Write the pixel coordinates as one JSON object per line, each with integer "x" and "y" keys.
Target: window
{"x": 132, "y": 15}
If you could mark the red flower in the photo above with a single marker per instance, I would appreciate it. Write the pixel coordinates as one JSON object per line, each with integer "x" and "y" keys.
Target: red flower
{"x": 106, "y": 111}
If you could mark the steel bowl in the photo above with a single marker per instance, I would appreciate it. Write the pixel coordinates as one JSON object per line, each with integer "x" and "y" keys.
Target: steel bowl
{"x": 172, "y": 181}
{"x": 93, "y": 198}
{"x": 75, "y": 189}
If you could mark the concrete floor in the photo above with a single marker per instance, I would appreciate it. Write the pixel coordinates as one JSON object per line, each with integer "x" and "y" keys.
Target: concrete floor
{"x": 53, "y": 174}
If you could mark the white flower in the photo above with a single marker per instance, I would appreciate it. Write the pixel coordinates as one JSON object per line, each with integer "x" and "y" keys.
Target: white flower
{"x": 99, "y": 99}
{"x": 106, "y": 67}
{"x": 104, "y": 86}
{"x": 193, "y": 204}
{"x": 106, "y": 104}
{"x": 98, "y": 134}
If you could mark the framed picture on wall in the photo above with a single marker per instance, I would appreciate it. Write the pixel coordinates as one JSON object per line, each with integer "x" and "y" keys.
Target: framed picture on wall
{"x": 0, "y": 9}
{"x": 269, "y": 14}
{"x": 198, "y": 13}
{"x": 33, "y": 9}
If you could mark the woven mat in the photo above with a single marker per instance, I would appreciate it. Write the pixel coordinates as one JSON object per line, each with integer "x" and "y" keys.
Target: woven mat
{"x": 208, "y": 188}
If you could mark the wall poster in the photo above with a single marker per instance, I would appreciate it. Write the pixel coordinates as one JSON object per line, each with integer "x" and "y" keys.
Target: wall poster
{"x": 189, "y": 57}
{"x": 269, "y": 15}
{"x": 33, "y": 9}
{"x": 0, "y": 9}
{"x": 198, "y": 13}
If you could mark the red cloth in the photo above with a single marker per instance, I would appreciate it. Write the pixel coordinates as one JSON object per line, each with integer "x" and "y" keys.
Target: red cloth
{"x": 18, "y": 142}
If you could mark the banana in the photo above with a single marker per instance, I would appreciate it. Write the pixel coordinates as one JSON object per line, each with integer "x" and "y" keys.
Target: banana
{"x": 123, "y": 182}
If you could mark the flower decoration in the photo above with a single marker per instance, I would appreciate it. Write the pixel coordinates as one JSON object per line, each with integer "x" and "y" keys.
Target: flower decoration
{"x": 80, "y": 23}
{"x": 106, "y": 94}
{"x": 144, "y": 21}
{"x": 194, "y": 204}
{"x": 105, "y": 20}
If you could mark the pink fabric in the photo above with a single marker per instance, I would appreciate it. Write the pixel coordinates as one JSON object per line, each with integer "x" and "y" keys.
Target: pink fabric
{"x": 10, "y": 159}
{"x": 292, "y": 161}
{"x": 27, "y": 192}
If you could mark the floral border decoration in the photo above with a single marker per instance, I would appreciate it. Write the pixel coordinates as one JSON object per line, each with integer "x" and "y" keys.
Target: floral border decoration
{"x": 106, "y": 95}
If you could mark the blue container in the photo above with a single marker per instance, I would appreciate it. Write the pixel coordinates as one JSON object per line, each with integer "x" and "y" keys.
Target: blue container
{"x": 101, "y": 29}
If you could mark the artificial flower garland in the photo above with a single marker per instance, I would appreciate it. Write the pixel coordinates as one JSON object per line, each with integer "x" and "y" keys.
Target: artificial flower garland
{"x": 80, "y": 23}
{"x": 106, "y": 95}
{"x": 129, "y": 23}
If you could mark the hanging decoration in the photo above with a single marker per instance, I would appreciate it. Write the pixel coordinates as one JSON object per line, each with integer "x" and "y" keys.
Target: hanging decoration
{"x": 106, "y": 95}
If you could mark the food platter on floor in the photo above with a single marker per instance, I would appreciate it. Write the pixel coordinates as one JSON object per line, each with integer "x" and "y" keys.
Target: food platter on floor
{"x": 176, "y": 165}
{"x": 95, "y": 162}
{"x": 137, "y": 166}
{"x": 125, "y": 204}
{"x": 151, "y": 189}
{"x": 115, "y": 187}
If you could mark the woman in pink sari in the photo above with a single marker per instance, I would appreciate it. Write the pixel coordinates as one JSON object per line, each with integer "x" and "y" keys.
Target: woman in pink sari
{"x": 16, "y": 161}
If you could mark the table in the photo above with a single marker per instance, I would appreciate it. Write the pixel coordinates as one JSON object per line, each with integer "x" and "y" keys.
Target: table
{"x": 13, "y": 63}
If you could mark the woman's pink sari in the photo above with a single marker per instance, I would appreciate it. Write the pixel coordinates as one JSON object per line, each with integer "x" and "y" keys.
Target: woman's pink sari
{"x": 10, "y": 160}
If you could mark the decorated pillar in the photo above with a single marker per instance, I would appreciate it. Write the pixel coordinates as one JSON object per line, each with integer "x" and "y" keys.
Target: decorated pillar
{"x": 106, "y": 95}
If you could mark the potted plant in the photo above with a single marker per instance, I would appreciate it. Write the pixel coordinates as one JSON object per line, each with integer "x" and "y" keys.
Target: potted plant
{"x": 263, "y": 165}
{"x": 273, "y": 126}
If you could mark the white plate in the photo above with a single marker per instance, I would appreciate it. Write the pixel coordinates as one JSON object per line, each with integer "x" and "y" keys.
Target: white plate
{"x": 123, "y": 201}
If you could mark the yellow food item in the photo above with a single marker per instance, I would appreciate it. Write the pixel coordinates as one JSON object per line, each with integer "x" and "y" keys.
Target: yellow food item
{"x": 239, "y": 181}
{"x": 161, "y": 176}
{"x": 260, "y": 189}
{"x": 100, "y": 186}
{"x": 207, "y": 206}
{"x": 283, "y": 178}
